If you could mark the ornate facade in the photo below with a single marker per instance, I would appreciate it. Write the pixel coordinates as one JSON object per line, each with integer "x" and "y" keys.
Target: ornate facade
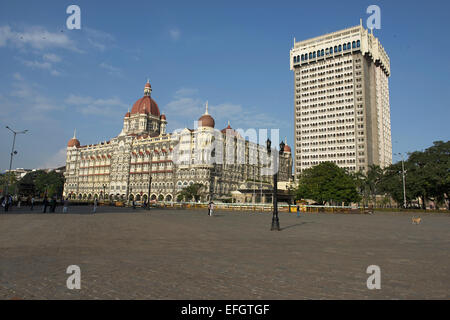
{"x": 144, "y": 159}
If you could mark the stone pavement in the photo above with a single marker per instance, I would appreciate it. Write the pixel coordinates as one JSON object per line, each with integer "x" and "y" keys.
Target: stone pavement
{"x": 184, "y": 254}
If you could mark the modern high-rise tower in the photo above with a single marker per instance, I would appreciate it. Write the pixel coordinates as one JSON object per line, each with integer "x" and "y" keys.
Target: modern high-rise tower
{"x": 341, "y": 98}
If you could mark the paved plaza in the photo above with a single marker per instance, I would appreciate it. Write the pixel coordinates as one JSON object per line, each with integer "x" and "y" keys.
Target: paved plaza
{"x": 184, "y": 254}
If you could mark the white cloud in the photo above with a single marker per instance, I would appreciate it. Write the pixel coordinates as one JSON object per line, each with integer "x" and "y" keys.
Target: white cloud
{"x": 99, "y": 39}
{"x": 35, "y": 37}
{"x": 18, "y": 76}
{"x": 111, "y": 69}
{"x": 43, "y": 65}
{"x": 174, "y": 34}
{"x": 56, "y": 160}
{"x": 112, "y": 107}
{"x": 52, "y": 57}
{"x": 186, "y": 105}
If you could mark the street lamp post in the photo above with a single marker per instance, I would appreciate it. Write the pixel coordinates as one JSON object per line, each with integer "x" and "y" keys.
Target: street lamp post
{"x": 13, "y": 152}
{"x": 404, "y": 183}
{"x": 104, "y": 188}
{"x": 275, "y": 220}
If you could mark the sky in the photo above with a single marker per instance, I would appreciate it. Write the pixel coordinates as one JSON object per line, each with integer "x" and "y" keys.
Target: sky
{"x": 235, "y": 54}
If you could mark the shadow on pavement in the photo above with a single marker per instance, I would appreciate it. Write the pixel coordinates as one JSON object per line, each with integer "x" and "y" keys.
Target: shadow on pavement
{"x": 294, "y": 225}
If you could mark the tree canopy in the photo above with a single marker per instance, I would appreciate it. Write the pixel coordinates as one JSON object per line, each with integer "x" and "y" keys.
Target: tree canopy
{"x": 192, "y": 191}
{"x": 327, "y": 183}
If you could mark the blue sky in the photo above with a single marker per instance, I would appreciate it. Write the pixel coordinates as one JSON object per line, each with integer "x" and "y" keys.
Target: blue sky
{"x": 235, "y": 54}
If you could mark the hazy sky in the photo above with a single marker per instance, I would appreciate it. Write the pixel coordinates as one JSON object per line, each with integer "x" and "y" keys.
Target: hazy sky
{"x": 235, "y": 54}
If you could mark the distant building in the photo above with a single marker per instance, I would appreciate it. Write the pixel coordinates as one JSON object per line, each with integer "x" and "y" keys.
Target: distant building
{"x": 144, "y": 161}
{"x": 341, "y": 101}
{"x": 19, "y": 173}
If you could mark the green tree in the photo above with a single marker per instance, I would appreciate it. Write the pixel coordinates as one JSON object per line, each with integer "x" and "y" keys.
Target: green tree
{"x": 327, "y": 183}
{"x": 194, "y": 191}
{"x": 373, "y": 179}
{"x": 8, "y": 179}
{"x": 51, "y": 183}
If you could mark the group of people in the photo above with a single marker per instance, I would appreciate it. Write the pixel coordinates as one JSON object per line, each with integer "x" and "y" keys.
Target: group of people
{"x": 6, "y": 202}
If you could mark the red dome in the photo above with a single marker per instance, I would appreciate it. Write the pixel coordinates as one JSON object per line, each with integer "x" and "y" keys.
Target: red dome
{"x": 287, "y": 148}
{"x": 73, "y": 143}
{"x": 229, "y": 131}
{"x": 206, "y": 121}
{"x": 145, "y": 105}
{"x": 147, "y": 85}
{"x": 128, "y": 114}
{"x": 163, "y": 117}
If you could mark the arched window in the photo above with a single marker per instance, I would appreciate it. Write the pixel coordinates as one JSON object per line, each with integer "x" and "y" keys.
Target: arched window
{"x": 321, "y": 52}
{"x": 310, "y": 55}
{"x": 335, "y": 49}
{"x": 314, "y": 54}
{"x": 298, "y": 58}
{"x": 348, "y": 46}
{"x": 318, "y": 53}
{"x": 353, "y": 44}
{"x": 331, "y": 50}
{"x": 295, "y": 59}
{"x": 345, "y": 47}
{"x": 339, "y": 48}
{"x": 358, "y": 44}
{"x": 327, "y": 51}
{"x": 303, "y": 57}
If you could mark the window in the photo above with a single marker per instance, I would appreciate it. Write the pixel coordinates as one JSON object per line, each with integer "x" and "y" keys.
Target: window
{"x": 353, "y": 44}
{"x": 295, "y": 59}
{"x": 303, "y": 57}
{"x": 314, "y": 54}
{"x": 321, "y": 52}
{"x": 298, "y": 58}
{"x": 335, "y": 49}
{"x": 348, "y": 46}
{"x": 310, "y": 55}
{"x": 358, "y": 43}
{"x": 345, "y": 47}
{"x": 339, "y": 48}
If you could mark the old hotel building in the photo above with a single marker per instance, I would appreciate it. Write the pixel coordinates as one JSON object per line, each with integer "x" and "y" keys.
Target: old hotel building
{"x": 341, "y": 99}
{"x": 144, "y": 157}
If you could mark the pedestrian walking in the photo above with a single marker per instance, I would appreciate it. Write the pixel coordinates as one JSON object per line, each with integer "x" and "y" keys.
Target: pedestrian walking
{"x": 45, "y": 205}
{"x": 298, "y": 211}
{"x": 133, "y": 204}
{"x": 3, "y": 202}
{"x": 66, "y": 205}
{"x": 32, "y": 203}
{"x": 8, "y": 202}
{"x": 95, "y": 206}
{"x": 210, "y": 208}
{"x": 53, "y": 205}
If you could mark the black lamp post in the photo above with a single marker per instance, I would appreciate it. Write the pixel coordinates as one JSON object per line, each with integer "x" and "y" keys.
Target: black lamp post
{"x": 104, "y": 187}
{"x": 13, "y": 153}
{"x": 275, "y": 220}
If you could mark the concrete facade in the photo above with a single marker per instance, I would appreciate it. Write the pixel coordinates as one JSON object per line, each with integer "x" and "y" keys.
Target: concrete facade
{"x": 341, "y": 101}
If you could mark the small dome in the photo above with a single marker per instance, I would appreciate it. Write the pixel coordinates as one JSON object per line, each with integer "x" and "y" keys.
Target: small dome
{"x": 147, "y": 85}
{"x": 206, "y": 121}
{"x": 229, "y": 131}
{"x": 128, "y": 114}
{"x": 74, "y": 142}
{"x": 287, "y": 148}
{"x": 163, "y": 117}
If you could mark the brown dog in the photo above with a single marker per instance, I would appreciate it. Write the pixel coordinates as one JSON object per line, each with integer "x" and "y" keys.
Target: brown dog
{"x": 416, "y": 220}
